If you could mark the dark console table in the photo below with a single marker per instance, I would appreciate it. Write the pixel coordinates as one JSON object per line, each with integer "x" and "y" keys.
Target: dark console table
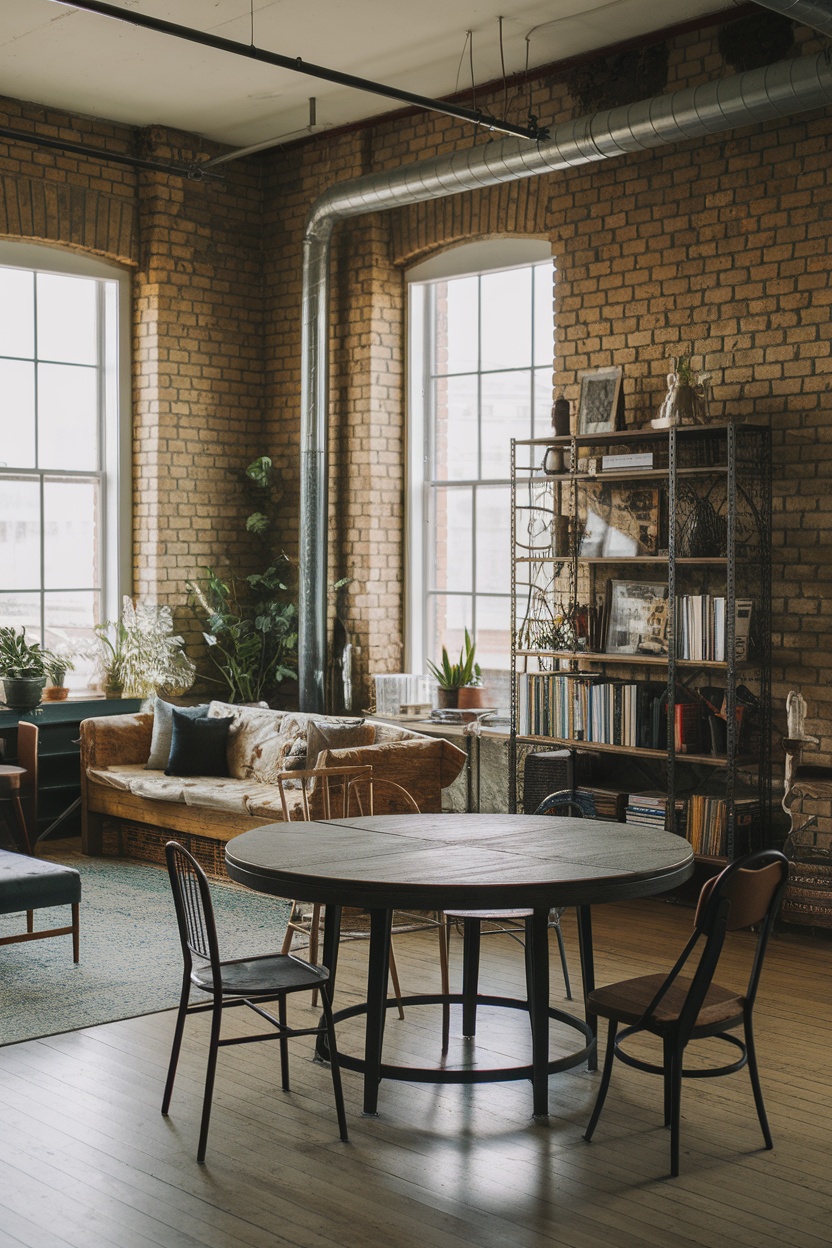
{"x": 59, "y": 776}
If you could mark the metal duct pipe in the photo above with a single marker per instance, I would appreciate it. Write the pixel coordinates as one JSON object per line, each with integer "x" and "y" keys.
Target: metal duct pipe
{"x": 816, "y": 14}
{"x": 757, "y": 96}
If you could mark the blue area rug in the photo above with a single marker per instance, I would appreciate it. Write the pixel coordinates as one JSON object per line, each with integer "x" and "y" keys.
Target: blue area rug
{"x": 131, "y": 961}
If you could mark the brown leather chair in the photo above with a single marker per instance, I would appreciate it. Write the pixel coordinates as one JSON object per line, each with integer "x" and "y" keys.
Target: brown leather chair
{"x": 20, "y": 780}
{"x": 680, "y": 1009}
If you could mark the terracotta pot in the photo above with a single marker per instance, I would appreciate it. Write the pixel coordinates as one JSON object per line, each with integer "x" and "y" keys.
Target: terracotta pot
{"x": 447, "y": 699}
{"x": 55, "y": 693}
{"x": 471, "y": 698}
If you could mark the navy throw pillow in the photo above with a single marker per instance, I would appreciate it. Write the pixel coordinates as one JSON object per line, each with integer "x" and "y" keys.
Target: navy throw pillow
{"x": 198, "y": 746}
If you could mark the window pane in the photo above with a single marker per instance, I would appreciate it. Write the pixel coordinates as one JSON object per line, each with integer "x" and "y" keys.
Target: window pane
{"x": 67, "y": 417}
{"x": 450, "y": 540}
{"x": 69, "y": 620}
{"x": 17, "y": 413}
{"x": 447, "y": 618}
{"x": 19, "y": 533}
{"x": 493, "y": 540}
{"x": 493, "y": 633}
{"x": 66, "y": 319}
{"x": 456, "y": 320}
{"x": 455, "y": 429}
{"x": 506, "y": 414}
{"x": 21, "y": 611}
{"x": 17, "y": 312}
{"x": 506, "y": 300}
{"x": 544, "y": 315}
{"x": 70, "y": 534}
{"x": 542, "y": 402}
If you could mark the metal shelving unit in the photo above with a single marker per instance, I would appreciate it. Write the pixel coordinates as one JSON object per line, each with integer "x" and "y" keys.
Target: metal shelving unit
{"x": 728, "y": 465}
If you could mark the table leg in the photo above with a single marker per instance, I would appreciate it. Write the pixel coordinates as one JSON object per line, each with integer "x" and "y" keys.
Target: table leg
{"x": 588, "y": 975}
{"x": 470, "y": 975}
{"x": 537, "y": 929}
{"x": 332, "y": 937}
{"x": 381, "y": 922}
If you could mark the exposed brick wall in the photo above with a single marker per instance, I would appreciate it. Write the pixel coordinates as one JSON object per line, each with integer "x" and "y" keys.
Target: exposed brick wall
{"x": 721, "y": 246}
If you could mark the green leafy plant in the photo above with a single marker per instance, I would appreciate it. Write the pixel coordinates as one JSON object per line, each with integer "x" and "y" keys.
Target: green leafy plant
{"x": 250, "y": 623}
{"x": 141, "y": 655}
{"x": 58, "y": 666}
{"x": 465, "y": 671}
{"x": 21, "y": 659}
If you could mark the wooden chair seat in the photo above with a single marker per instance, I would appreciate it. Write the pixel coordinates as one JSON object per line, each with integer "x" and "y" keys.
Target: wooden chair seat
{"x": 627, "y": 1001}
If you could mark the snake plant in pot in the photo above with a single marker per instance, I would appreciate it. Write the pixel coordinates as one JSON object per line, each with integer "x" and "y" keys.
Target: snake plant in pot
{"x": 24, "y": 667}
{"x": 451, "y": 677}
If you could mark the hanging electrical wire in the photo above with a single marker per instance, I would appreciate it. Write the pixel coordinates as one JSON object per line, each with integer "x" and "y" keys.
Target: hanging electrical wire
{"x": 503, "y": 68}
{"x": 471, "y": 62}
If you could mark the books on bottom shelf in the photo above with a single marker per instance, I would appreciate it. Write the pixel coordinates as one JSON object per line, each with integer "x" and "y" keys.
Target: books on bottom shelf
{"x": 649, "y": 810}
{"x": 707, "y": 824}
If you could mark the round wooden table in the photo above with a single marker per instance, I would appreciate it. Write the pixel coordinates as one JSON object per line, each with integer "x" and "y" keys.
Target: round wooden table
{"x": 460, "y": 862}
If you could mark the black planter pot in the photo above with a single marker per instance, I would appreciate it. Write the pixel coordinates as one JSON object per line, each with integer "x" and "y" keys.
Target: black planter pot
{"x": 23, "y": 693}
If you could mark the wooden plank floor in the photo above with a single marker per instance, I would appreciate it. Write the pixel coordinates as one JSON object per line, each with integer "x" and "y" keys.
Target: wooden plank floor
{"x": 86, "y": 1158}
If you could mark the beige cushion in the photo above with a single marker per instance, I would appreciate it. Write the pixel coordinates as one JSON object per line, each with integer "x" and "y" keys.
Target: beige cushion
{"x": 231, "y": 796}
{"x": 416, "y": 765}
{"x": 258, "y": 741}
{"x": 266, "y": 805}
{"x": 324, "y": 734}
{"x": 159, "y": 787}
{"x": 116, "y": 777}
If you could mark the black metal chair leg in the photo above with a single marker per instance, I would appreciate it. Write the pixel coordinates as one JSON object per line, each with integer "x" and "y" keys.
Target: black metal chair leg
{"x": 177, "y": 1042}
{"x": 755, "y": 1082}
{"x": 675, "y": 1108}
{"x": 213, "y": 1049}
{"x": 444, "y": 955}
{"x": 667, "y": 1050}
{"x": 334, "y": 1063}
{"x": 606, "y": 1075}
{"x": 564, "y": 967}
{"x": 284, "y": 1046}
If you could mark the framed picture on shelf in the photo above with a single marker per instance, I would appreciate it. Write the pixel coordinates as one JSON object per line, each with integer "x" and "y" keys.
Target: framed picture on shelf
{"x": 618, "y": 520}
{"x": 636, "y": 618}
{"x": 599, "y": 401}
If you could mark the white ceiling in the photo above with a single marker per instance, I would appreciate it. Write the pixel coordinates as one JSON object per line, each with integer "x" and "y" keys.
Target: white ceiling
{"x": 90, "y": 64}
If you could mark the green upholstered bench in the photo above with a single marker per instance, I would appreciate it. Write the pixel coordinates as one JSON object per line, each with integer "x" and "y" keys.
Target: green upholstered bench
{"x": 30, "y": 884}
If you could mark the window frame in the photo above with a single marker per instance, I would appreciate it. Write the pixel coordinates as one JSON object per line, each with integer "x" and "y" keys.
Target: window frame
{"x": 114, "y": 471}
{"x": 468, "y": 260}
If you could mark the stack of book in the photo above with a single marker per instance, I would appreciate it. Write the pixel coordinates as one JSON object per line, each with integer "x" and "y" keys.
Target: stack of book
{"x": 609, "y": 803}
{"x": 649, "y": 809}
{"x": 700, "y": 627}
{"x": 707, "y": 824}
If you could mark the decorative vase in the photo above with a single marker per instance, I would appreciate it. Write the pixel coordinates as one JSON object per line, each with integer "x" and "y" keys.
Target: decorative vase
{"x": 684, "y": 403}
{"x": 560, "y": 418}
{"x": 447, "y": 699}
{"x": 23, "y": 693}
{"x": 471, "y": 698}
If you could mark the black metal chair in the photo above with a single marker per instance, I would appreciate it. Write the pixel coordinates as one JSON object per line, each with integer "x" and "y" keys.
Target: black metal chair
{"x": 512, "y": 923}
{"x": 249, "y": 981}
{"x": 681, "y": 1009}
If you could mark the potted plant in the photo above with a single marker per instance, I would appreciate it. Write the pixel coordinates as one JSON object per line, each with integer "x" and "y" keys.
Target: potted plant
{"x": 140, "y": 654}
{"x": 452, "y": 677}
{"x": 57, "y": 668}
{"x": 24, "y": 667}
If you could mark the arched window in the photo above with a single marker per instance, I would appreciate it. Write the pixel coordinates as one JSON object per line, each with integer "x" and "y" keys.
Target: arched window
{"x": 480, "y": 372}
{"x": 64, "y": 443}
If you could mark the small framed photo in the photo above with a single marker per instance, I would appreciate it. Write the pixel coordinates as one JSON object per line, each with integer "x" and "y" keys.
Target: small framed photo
{"x": 637, "y": 618}
{"x": 599, "y": 401}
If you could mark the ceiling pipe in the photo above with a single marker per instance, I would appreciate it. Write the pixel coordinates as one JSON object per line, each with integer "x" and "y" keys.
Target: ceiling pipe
{"x": 297, "y": 65}
{"x": 816, "y": 14}
{"x": 751, "y": 98}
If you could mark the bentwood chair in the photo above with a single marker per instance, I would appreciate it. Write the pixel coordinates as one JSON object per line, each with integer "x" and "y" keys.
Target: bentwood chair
{"x": 246, "y": 981}
{"x": 21, "y": 781}
{"x": 513, "y": 923}
{"x": 679, "y": 1009}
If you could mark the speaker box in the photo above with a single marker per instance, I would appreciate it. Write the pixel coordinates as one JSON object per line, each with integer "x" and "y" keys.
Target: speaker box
{"x": 549, "y": 771}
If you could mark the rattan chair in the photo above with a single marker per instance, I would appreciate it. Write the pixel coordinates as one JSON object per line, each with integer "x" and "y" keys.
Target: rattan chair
{"x": 513, "y": 923}
{"x": 680, "y": 1009}
{"x": 248, "y": 981}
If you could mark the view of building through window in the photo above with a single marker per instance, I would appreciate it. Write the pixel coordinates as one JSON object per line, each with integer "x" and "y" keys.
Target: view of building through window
{"x": 57, "y": 387}
{"x": 482, "y": 354}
